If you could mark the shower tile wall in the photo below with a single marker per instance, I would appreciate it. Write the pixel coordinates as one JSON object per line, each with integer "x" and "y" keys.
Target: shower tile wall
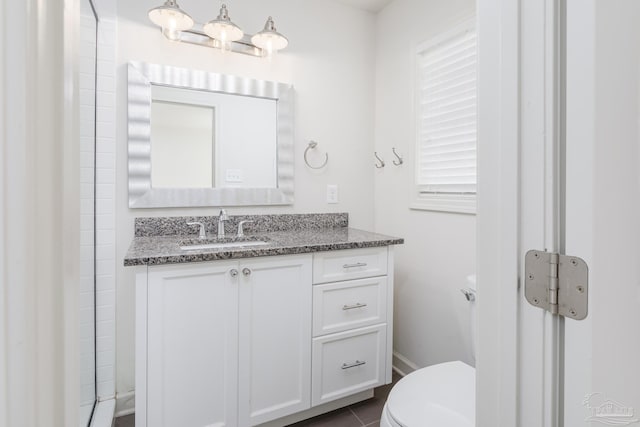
{"x": 105, "y": 204}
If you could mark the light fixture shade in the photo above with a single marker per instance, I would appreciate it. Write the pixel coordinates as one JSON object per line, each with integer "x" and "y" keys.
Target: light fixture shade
{"x": 170, "y": 17}
{"x": 269, "y": 39}
{"x": 222, "y": 28}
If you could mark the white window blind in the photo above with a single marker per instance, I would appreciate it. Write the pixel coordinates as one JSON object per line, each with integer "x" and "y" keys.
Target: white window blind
{"x": 446, "y": 134}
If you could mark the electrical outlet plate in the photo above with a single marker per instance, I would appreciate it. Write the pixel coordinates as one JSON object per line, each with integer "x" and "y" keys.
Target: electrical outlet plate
{"x": 332, "y": 193}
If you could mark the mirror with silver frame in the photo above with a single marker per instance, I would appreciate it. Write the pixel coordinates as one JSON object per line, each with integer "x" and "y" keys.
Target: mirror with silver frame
{"x": 198, "y": 138}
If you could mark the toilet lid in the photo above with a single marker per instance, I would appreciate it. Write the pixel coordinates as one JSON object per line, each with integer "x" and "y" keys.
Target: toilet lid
{"x": 441, "y": 395}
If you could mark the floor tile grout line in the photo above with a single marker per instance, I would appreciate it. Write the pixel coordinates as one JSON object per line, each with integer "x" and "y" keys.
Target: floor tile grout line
{"x": 357, "y": 417}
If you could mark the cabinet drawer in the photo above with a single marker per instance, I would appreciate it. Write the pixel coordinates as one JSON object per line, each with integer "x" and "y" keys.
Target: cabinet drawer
{"x": 348, "y": 362}
{"x": 349, "y": 264}
{"x": 347, "y": 305}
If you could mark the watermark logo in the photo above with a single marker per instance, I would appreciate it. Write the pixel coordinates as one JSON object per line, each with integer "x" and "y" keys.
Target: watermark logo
{"x": 608, "y": 411}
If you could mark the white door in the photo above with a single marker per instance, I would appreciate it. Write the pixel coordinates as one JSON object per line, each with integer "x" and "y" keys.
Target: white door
{"x": 602, "y": 353}
{"x": 192, "y": 347}
{"x": 274, "y": 338}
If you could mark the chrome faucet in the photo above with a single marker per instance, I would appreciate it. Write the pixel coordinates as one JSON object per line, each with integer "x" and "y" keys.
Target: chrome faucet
{"x": 222, "y": 217}
{"x": 241, "y": 227}
{"x": 203, "y": 230}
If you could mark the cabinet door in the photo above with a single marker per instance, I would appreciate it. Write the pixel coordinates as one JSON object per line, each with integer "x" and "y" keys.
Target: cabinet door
{"x": 192, "y": 345}
{"x": 275, "y": 338}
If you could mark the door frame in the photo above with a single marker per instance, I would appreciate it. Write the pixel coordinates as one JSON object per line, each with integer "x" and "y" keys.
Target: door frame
{"x": 520, "y": 187}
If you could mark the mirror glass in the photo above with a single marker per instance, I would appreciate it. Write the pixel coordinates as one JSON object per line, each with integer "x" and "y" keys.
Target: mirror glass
{"x": 204, "y": 139}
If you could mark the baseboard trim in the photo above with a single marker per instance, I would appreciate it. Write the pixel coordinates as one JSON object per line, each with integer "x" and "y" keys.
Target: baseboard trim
{"x": 321, "y": 409}
{"x": 402, "y": 365}
{"x": 309, "y": 413}
{"x": 125, "y": 403}
{"x": 103, "y": 415}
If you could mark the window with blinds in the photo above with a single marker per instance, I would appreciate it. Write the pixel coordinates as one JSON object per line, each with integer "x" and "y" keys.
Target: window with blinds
{"x": 446, "y": 122}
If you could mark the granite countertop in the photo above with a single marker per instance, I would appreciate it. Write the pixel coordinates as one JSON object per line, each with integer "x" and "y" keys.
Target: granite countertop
{"x": 156, "y": 250}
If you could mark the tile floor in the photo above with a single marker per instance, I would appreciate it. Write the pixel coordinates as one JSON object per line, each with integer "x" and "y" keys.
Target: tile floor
{"x": 366, "y": 413}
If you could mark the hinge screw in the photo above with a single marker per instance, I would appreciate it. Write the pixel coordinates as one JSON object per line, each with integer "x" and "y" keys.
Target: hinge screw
{"x": 574, "y": 262}
{"x": 531, "y": 277}
{"x": 535, "y": 301}
{"x": 537, "y": 256}
{"x": 572, "y": 312}
{"x": 580, "y": 289}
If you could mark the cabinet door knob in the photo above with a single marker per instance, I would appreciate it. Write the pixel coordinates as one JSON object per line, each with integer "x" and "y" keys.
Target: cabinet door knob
{"x": 246, "y": 271}
{"x": 233, "y": 272}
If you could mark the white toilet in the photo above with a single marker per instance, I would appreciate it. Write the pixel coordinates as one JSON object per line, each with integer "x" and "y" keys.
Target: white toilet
{"x": 441, "y": 395}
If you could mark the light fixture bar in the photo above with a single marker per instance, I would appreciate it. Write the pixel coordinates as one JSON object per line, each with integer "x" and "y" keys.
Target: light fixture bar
{"x": 197, "y": 36}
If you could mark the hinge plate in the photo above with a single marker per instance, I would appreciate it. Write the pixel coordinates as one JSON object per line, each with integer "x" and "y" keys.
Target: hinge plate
{"x": 565, "y": 294}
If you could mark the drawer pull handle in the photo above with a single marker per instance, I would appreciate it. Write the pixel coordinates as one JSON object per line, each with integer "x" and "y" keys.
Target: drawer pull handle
{"x": 353, "y": 365}
{"x": 351, "y": 307}
{"x": 357, "y": 264}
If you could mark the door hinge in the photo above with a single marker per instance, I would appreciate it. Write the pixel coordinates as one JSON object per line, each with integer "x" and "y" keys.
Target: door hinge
{"x": 557, "y": 283}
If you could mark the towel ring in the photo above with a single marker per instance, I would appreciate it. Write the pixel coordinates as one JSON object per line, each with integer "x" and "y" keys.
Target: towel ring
{"x": 313, "y": 144}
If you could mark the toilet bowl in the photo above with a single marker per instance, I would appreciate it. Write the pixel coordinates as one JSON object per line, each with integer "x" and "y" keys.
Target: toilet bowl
{"x": 441, "y": 395}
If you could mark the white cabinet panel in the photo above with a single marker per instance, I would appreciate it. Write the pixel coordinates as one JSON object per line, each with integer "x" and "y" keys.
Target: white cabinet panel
{"x": 192, "y": 346}
{"x": 275, "y": 338}
{"x": 349, "y": 264}
{"x": 348, "y": 362}
{"x": 347, "y": 305}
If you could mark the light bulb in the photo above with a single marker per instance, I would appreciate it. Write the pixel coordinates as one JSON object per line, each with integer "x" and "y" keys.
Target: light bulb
{"x": 269, "y": 49}
{"x": 170, "y": 31}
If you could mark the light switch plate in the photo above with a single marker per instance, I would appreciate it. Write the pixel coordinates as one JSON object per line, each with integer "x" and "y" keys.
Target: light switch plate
{"x": 332, "y": 194}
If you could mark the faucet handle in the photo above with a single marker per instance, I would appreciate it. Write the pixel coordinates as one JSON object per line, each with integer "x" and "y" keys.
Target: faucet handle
{"x": 203, "y": 230}
{"x": 240, "y": 227}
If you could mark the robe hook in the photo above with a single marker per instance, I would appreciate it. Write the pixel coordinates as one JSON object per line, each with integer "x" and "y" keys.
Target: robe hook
{"x": 400, "y": 160}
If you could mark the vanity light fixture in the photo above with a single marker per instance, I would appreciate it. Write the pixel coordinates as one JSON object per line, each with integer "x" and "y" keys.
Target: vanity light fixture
{"x": 269, "y": 39}
{"x": 223, "y": 29}
{"x": 171, "y": 19}
{"x": 219, "y": 33}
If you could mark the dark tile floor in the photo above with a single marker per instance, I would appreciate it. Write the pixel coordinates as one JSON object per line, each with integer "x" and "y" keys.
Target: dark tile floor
{"x": 366, "y": 413}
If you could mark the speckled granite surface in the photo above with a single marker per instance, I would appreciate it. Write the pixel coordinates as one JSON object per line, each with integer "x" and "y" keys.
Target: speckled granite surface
{"x": 171, "y": 226}
{"x": 156, "y": 250}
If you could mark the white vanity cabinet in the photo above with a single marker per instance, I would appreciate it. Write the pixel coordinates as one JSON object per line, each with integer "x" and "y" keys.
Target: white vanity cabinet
{"x": 266, "y": 340}
{"x": 223, "y": 343}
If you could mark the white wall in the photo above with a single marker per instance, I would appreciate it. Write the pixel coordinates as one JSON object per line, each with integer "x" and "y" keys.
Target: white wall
{"x": 332, "y": 72}
{"x": 431, "y": 319}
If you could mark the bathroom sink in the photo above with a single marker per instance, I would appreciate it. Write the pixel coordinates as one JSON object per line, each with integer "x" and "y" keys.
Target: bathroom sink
{"x": 223, "y": 243}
